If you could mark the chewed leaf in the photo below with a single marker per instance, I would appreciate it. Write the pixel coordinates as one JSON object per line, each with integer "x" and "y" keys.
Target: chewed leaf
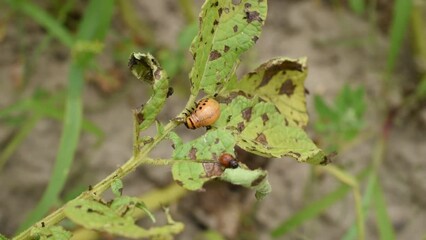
{"x": 227, "y": 29}
{"x": 117, "y": 187}
{"x": 98, "y": 216}
{"x": 280, "y": 81}
{"x": 261, "y": 129}
{"x": 208, "y": 146}
{"x": 193, "y": 171}
{"x": 254, "y": 179}
{"x": 145, "y": 67}
{"x": 125, "y": 205}
{"x": 53, "y": 233}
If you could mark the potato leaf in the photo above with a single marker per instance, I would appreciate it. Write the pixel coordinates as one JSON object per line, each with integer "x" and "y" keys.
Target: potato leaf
{"x": 254, "y": 179}
{"x": 52, "y": 233}
{"x": 98, "y": 216}
{"x": 227, "y": 29}
{"x": 281, "y": 82}
{"x": 259, "y": 128}
{"x": 145, "y": 67}
{"x": 199, "y": 158}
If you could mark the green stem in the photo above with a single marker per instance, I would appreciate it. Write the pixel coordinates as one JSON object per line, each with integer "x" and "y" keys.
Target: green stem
{"x": 98, "y": 189}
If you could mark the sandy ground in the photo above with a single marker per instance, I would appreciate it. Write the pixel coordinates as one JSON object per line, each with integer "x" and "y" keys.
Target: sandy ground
{"x": 341, "y": 49}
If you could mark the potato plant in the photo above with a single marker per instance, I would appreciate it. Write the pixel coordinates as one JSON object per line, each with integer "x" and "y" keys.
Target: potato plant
{"x": 263, "y": 112}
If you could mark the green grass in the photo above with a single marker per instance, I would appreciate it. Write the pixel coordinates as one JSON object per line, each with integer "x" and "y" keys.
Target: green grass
{"x": 94, "y": 27}
{"x": 314, "y": 208}
{"x": 398, "y": 29}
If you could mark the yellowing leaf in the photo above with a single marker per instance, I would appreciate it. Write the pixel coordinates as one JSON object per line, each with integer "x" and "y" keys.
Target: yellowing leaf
{"x": 279, "y": 81}
{"x": 259, "y": 128}
{"x": 199, "y": 158}
{"x": 227, "y": 29}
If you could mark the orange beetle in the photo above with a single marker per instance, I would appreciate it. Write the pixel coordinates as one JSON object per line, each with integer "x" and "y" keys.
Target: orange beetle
{"x": 205, "y": 114}
{"x": 228, "y": 161}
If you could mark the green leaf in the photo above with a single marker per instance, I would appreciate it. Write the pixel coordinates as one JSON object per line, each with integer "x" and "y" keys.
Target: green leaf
{"x": 280, "y": 81}
{"x": 254, "y": 179}
{"x": 3, "y": 237}
{"x": 203, "y": 154}
{"x": 259, "y": 128}
{"x": 399, "y": 26}
{"x": 97, "y": 216}
{"x": 145, "y": 67}
{"x": 384, "y": 223}
{"x": 227, "y": 29}
{"x": 53, "y": 233}
{"x": 117, "y": 187}
{"x": 125, "y": 205}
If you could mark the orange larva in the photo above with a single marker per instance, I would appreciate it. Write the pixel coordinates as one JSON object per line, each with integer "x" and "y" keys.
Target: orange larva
{"x": 228, "y": 161}
{"x": 205, "y": 114}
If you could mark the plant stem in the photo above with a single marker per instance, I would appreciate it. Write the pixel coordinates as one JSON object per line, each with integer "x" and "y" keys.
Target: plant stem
{"x": 98, "y": 189}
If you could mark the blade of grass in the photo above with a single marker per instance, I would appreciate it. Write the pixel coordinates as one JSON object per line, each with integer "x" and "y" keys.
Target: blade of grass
{"x": 402, "y": 10}
{"x": 366, "y": 201}
{"x": 384, "y": 224}
{"x": 358, "y": 6}
{"x": 18, "y": 138}
{"x": 93, "y": 26}
{"x": 44, "y": 19}
{"x": 353, "y": 183}
{"x": 315, "y": 208}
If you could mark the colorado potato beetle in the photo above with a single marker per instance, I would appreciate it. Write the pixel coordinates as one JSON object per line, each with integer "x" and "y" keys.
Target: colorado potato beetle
{"x": 228, "y": 161}
{"x": 206, "y": 113}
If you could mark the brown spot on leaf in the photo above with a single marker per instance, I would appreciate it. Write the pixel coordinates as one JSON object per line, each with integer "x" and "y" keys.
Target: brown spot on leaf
{"x": 255, "y": 38}
{"x": 138, "y": 115}
{"x": 216, "y": 141}
{"x": 212, "y": 169}
{"x": 261, "y": 138}
{"x": 228, "y": 119}
{"x": 246, "y": 113}
{"x": 212, "y": 31}
{"x": 180, "y": 183}
{"x": 252, "y": 16}
{"x": 235, "y": 28}
{"x": 291, "y": 65}
{"x": 286, "y": 121}
{"x": 258, "y": 180}
{"x": 247, "y": 5}
{"x": 287, "y": 88}
{"x": 215, "y": 22}
{"x": 157, "y": 74}
{"x": 294, "y": 154}
{"x": 219, "y": 11}
{"x": 192, "y": 153}
{"x": 226, "y": 48}
{"x": 170, "y": 92}
{"x": 265, "y": 118}
{"x": 214, "y": 55}
{"x": 240, "y": 126}
{"x": 271, "y": 71}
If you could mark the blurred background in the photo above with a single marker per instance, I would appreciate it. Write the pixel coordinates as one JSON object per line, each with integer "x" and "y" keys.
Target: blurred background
{"x": 66, "y": 96}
